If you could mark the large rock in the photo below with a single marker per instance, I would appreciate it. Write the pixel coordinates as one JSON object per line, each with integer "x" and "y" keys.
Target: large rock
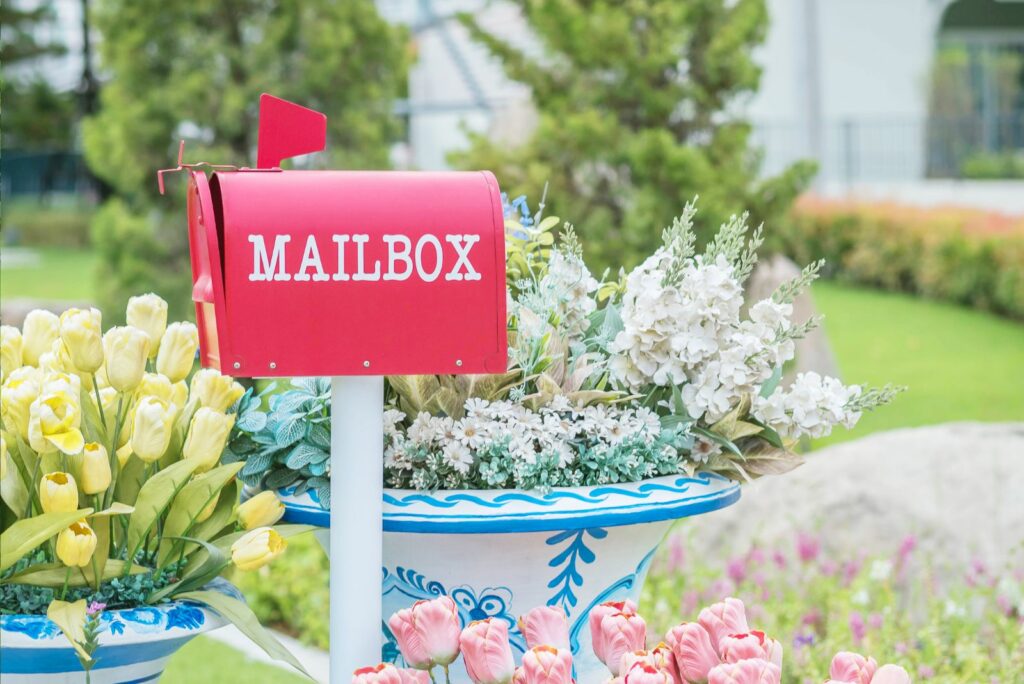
{"x": 958, "y": 487}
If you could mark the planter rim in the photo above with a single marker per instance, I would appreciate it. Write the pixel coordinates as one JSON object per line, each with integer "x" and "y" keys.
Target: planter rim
{"x": 515, "y": 510}
{"x": 176, "y": 619}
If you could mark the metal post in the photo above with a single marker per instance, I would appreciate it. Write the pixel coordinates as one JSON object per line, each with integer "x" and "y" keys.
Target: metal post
{"x": 357, "y": 465}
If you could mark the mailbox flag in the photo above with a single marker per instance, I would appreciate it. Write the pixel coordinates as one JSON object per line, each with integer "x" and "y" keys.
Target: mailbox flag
{"x": 287, "y": 130}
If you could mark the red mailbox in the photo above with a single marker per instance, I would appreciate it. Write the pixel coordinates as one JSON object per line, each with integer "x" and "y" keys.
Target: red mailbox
{"x": 344, "y": 272}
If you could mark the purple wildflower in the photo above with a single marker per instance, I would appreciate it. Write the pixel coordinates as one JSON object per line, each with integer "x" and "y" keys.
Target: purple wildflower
{"x": 95, "y": 607}
{"x": 857, "y": 627}
{"x": 807, "y": 547}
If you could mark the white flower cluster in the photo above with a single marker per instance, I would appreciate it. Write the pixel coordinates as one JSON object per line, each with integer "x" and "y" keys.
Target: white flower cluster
{"x": 563, "y": 294}
{"x": 690, "y": 333}
{"x": 811, "y": 406}
{"x": 525, "y": 434}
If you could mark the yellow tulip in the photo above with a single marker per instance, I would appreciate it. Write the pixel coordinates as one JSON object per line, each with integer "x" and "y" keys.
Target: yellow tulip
{"x": 261, "y": 510}
{"x": 54, "y": 424}
{"x": 11, "y": 344}
{"x": 148, "y": 313}
{"x": 151, "y": 428}
{"x": 159, "y": 386}
{"x": 95, "y": 469}
{"x": 256, "y": 548}
{"x": 179, "y": 394}
{"x": 76, "y": 544}
{"x": 123, "y": 454}
{"x": 82, "y": 333}
{"x": 219, "y": 392}
{"x": 38, "y": 332}
{"x": 177, "y": 351}
{"x": 207, "y": 436}
{"x": 58, "y": 493}
{"x": 125, "y": 349}
{"x": 67, "y": 383}
{"x": 16, "y": 397}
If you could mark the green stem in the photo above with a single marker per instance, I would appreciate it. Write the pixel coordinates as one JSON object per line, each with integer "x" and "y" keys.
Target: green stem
{"x": 447, "y": 675}
{"x": 64, "y": 589}
{"x": 99, "y": 402}
{"x": 115, "y": 462}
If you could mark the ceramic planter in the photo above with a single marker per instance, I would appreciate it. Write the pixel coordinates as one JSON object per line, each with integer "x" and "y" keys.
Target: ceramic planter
{"x": 134, "y": 645}
{"x": 498, "y": 553}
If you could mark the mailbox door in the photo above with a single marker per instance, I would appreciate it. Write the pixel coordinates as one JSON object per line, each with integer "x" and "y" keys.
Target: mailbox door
{"x": 297, "y": 301}
{"x": 207, "y": 280}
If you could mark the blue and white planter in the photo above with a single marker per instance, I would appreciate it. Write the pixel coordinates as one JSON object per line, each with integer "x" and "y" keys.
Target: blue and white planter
{"x": 499, "y": 553}
{"x": 134, "y": 644}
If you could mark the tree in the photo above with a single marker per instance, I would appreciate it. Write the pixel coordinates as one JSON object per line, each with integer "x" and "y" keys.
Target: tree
{"x": 636, "y": 103}
{"x": 195, "y": 70}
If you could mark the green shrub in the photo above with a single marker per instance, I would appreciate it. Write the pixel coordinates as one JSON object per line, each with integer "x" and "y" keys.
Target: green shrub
{"x": 34, "y": 225}
{"x": 964, "y": 256}
{"x": 993, "y": 166}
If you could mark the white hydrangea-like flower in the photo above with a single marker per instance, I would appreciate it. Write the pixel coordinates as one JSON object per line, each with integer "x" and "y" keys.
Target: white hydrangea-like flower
{"x": 812, "y": 406}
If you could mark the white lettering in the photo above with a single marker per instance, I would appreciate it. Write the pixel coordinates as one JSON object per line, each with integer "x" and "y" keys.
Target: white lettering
{"x": 341, "y": 240}
{"x": 311, "y": 259}
{"x": 268, "y": 268}
{"x": 462, "y": 245}
{"x": 394, "y": 256}
{"x": 431, "y": 240}
{"x": 361, "y": 274}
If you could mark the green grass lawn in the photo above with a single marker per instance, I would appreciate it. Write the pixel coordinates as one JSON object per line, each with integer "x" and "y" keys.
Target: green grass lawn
{"x": 958, "y": 364}
{"x": 57, "y": 274}
{"x": 206, "y": 660}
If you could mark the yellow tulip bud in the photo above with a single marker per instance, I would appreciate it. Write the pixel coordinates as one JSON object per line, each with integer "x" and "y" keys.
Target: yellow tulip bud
{"x": 177, "y": 351}
{"x": 38, "y": 332}
{"x": 76, "y": 544}
{"x": 207, "y": 511}
{"x": 58, "y": 493}
{"x": 219, "y": 392}
{"x": 260, "y": 511}
{"x": 82, "y": 333}
{"x": 256, "y": 548}
{"x": 148, "y": 313}
{"x": 207, "y": 436}
{"x": 156, "y": 385}
{"x": 16, "y": 397}
{"x": 123, "y": 454}
{"x": 179, "y": 394}
{"x": 11, "y": 344}
{"x": 95, "y": 468}
{"x": 151, "y": 428}
{"x": 125, "y": 350}
{"x": 53, "y": 424}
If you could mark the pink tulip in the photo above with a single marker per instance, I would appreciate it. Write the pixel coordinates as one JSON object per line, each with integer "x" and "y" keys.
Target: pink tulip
{"x": 546, "y": 665}
{"x": 754, "y": 644}
{"x": 660, "y": 656}
{"x": 598, "y": 613}
{"x": 617, "y": 634}
{"x": 519, "y": 677}
{"x": 411, "y": 676}
{"x": 385, "y": 673}
{"x": 752, "y": 671}
{"x": 545, "y": 626}
{"x": 723, "y": 619}
{"x": 428, "y": 633}
{"x": 487, "y": 653}
{"x": 643, "y": 673}
{"x": 891, "y": 674}
{"x": 852, "y": 667}
{"x": 693, "y": 651}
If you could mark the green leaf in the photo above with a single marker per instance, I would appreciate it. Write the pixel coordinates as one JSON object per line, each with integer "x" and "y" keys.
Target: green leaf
{"x": 53, "y": 574}
{"x": 130, "y": 479}
{"x": 25, "y": 535}
{"x": 771, "y": 383}
{"x": 246, "y": 621}
{"x": 154, "y": 498}
{"x": 718, "y": 439}
{"x": 197, "y": 573}
{"x": 190, "y": 502}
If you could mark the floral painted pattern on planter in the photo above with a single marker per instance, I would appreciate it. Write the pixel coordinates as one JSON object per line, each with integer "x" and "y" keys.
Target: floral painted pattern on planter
{"x": 499, "y": 553}
{"x": 134, "y": 645}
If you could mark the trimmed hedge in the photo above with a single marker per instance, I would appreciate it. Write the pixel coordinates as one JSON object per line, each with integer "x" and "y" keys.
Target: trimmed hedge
{"x": 967, "y": 256}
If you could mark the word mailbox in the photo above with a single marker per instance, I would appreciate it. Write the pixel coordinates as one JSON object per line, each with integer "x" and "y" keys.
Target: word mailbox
{"x": 305, "y": 272}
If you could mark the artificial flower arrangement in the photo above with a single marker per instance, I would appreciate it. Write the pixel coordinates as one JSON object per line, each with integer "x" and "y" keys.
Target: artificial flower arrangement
{"x": 718, "y": 648}
{"x": 113, "y": 496}
{"x": 659, "y": 371}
